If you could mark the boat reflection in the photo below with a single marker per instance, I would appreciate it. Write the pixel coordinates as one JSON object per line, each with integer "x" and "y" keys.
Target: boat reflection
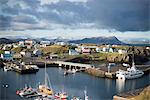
{"x": 108, "y": 84}
{"x": 120, "y": 84}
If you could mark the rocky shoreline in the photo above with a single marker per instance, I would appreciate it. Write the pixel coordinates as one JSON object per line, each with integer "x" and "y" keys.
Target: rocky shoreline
{"x": 138, "y": 94}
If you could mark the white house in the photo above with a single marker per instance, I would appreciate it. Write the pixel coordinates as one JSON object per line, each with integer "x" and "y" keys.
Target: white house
{"x": 73, "y": 52}
{"x": 21, "y": 43}
{"x": 147, "y": 48}
{"x": 120, "y": 51}
{"x": 45, "y": 42}
{"x": 25, "y": 53}
{"x": 61, "y": 43}
{"x": 37, "y": 52}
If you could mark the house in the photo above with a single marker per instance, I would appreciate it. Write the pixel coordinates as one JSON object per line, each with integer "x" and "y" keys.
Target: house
{"x": 148, "y": 48}
{"x": 61, "y": 43}
{"x": 29, "y": 43}
{"x": 15, "y": 45}
{"x": 21, "y": 43}
{"x": 45, "y": 42}
{"x": 17, "y": 56}
{"x": 53, "y": 56}
{"x": 120, "y": 51}
{"x": 78, "y": 50}
{"x": 7, "y": 56}
{"x": 98, "y": 49}
{"x": 111, "y": 50}
{"x": 86, "y": 50}
{"x": 73, "y": 52}
{"x": 107, "y": 49}
{"x": 37, "y": 52}
{"x": 25, "y": 53}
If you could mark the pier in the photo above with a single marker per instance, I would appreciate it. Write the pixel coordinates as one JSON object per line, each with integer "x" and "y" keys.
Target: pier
{"x": 71, "y": 65}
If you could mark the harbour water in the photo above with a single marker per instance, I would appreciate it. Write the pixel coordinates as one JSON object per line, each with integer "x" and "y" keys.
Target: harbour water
{"x": 74, "y": 85}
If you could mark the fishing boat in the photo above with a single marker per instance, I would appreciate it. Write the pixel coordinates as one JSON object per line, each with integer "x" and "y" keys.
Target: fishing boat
{"x": 61, "y": 96}
{"x": 26, "y": 91}
{"x": 131, "y": 73}
{"x": 44, "y": 89}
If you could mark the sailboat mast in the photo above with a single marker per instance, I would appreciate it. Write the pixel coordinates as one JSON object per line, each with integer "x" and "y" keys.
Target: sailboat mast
{"x": 45, "y": 74}
{"x": 133, "y": 63}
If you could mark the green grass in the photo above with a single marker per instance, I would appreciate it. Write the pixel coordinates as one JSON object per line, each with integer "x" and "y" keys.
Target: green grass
{"x": 55, "y": 49}
{"x": 17, "y": 49}
{"x": 1, "y": 51}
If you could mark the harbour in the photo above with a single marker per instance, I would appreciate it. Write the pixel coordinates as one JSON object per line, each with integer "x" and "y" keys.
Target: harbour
{"x": 74, "y": 50}
{"x": 72, "y": 84}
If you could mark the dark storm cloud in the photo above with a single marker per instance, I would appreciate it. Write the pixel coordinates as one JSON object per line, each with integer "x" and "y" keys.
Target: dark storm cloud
{"x": 121, "y": 15}
{"x": 5, "y": 22}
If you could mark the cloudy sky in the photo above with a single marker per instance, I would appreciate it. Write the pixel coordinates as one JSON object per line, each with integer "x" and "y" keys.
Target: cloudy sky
{"x": 75, "y": 18}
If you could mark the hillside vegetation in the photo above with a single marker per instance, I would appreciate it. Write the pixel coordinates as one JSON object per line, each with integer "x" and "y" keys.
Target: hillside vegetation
{"x": 55, "y": 49}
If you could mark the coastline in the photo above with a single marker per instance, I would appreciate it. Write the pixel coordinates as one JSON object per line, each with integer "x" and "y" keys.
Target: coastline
{"x": 138, "y": 94}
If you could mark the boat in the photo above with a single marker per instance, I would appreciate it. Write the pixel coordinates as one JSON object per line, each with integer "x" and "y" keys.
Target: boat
{"x": 85, "y": 95}
{"x": 61, "y": 96}
{"x": 131, "y": 73}
{"x": 76, "y": 98}
{"x": 26, "y": 91}
{"x": 5, "y": 69}
{"x": 44, "y": 89}
{"x": 25, "y": 69}
{"x": 66, "y": 72}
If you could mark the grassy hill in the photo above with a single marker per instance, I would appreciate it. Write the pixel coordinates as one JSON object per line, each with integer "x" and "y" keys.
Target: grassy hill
{"x": 55, "y": 49}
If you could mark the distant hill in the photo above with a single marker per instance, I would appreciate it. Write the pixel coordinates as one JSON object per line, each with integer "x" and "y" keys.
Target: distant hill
{"x": 5, "y": 40}
{"x": 99, "y": 40}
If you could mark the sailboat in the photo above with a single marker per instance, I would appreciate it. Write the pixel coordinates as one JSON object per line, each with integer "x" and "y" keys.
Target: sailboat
{"x": 44, "y": 89}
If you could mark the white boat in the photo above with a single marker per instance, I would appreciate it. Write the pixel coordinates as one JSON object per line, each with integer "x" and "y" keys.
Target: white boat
{"x": 73, "y": 71}
{"x": 85, "y": 95}
{"x": 6, "y": 69}
{"x": 131, "y": 73}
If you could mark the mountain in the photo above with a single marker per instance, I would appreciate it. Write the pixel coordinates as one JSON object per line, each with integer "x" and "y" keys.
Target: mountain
{"x": 138, "y": 41}
{"x": 99, "y": 40}
{"x": 5, "y": 40}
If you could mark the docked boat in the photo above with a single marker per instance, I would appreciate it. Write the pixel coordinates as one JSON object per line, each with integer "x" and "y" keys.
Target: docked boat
{"x": 76, "y": 98}
{"x": 85, "y": 95}
{"x": 61, "y": 96}
{"x": 6, "y": 69}
{"x": 131, "y": 73}
{"x": 25, "y": 69}
{"x": 44, "y": 89}
{"x": 66, "y": 72}
{"x": 26, "y": 91}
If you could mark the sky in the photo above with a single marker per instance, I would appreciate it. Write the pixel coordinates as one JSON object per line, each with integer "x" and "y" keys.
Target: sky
{"x": 75, "y": 19}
